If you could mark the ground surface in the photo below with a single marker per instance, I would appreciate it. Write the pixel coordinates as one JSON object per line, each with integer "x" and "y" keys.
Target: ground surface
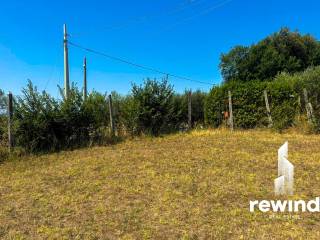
{"x": 184, "y": 186}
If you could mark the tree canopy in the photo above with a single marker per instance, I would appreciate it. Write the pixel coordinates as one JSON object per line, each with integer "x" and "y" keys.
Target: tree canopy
{"x": 283, "y": 51}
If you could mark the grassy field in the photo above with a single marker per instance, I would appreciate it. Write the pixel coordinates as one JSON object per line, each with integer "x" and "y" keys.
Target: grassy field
{"x": 185, "y": 186}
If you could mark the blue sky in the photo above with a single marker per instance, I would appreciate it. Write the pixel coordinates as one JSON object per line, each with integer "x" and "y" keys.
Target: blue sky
{"x": 183, "y": 37}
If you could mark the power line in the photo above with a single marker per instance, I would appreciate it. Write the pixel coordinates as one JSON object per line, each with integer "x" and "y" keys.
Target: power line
{"x": 181, "y": 7}
{"x": 53, "y": 72}
{"x": 136, "y": 64}
{"x": 203, "y": 12}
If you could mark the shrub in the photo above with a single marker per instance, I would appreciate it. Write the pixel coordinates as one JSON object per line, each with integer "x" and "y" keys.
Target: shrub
{"x": 179, "y": 116}
{"x": 249, "y": 106}
{"x": 34, "y": 118}
{"x": 285, "y": 95}
{"x": 214, "y": 106}
{"x": 153, "y": 104}
{"x": 128, "y": 115}
{"x": 44, "y": 124}
{"x": 283, "y": 115}
{"x": 95, "y": 112}
{"x": 198, "y": 102}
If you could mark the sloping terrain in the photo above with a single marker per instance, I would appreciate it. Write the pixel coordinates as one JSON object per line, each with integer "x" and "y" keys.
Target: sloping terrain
{"x": 185, "y": 186}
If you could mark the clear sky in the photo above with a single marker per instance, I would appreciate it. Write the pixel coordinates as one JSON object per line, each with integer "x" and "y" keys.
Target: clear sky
{"x": 183, "y": 37}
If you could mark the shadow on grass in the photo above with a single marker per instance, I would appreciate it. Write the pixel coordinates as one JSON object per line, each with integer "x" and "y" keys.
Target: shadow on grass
{"x": 18, "y": 153}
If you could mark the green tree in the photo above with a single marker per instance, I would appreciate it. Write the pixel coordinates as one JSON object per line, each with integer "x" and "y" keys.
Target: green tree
{"x": 284, "y": 51}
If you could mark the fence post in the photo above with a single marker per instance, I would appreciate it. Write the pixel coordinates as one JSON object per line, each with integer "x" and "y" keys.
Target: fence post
{"x": 230, "y": 110}
{"x": 189, "y": 110}
{"x": 299, "y": 103}
{"x": 10, "y": 114}
{"x": 268, "y": 108}
{"x": 112, "y": 127}
{"x": 308, "y": 105}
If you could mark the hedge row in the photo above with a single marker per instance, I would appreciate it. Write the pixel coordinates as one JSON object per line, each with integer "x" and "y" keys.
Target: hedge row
{"x": 285, "y": 95}
{"x": 43, "y": 124}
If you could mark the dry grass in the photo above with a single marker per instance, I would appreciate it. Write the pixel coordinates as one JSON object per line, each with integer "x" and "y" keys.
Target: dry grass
{"x": 184, "y": 186}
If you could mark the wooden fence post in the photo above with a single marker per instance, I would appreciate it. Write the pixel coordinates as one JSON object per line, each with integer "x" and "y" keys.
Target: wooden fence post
{"x": 268, "y": 107}
{"x": 112, "y": 127}
{"x": 308, "y": 105}
{"x": 299, "y": 103}
{"x": 10, "y": 114}
{"x": 230, "y": 111}
{"x": 189, "y": 110}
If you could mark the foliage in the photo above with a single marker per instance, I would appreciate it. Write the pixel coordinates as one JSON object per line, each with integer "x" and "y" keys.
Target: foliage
{"x": 248, "y": 104}
{"x": 198, "y": 101}
{"x": 125, "y": 114}
{"x": 3, "y": 100}
{"x": 179, "y": 117}
{"x": 96, "y": 116}
{"x": 153, "y": 104}
{"x": 285, "y": 94}
{"x": 45, "y": 124}
{"x": 284, "y": 51}
{"x": 153, "y": 108}
{"x": 284, "y": 115}
{"x": 35, "y": 119}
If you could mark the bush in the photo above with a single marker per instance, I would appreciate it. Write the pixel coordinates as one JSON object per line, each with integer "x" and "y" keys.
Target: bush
{"x": 153, "y": 105}
{"x": 44, "y": 124}
{"x": 214, "y": 106}
{"x": 198, "y": 102}
{"x": 179, "y": 116}
{"x": 96, "y": 117}
{"x": 35, "y": 120}
{"x": 128, "y": 115}
{"x": 153, "y": 108}
{"x": 283, "y": 115}
{"x": 249, "y": 106}
{"x": 285, "y": 95}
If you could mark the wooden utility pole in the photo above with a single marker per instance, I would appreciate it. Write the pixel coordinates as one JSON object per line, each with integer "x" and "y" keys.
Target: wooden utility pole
{"x": 10, "y": 114}
{"x": 308, "y": 105}
{"x": 112, "y": 127}
{"x": 66, "y": 62}
{"x": 268, "y": 108}
{"x": 190, "y": 109}
{"x": 85, "y": 78}
{"x": 230, "y": 111}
